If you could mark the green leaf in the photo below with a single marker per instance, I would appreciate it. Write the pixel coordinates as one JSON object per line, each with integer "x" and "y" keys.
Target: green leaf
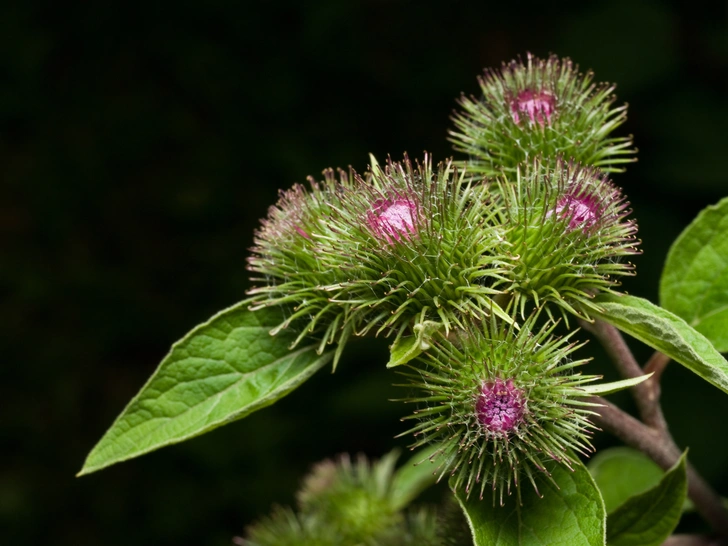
{"x": 416, "y": 475}
{"x": 694, "y": 283}
{"x": 648, "y": 519}
{"x": 665, "y": 332}
{"x": 602, "y": 389}
{"x": 221, "y": 371}
{"x": 571, "y": 513}
{"x": 622, "y": 472}
{"x": 407, "y": 348}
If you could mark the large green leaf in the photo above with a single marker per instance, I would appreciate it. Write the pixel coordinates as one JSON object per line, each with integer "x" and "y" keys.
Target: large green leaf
{"x": 571, "y": 513}
{"x": 221, "y": 371}
{"x": 665, "y": 332}
{"x": 621, "y": 473}
{"x": 649, "y": 518}
{"x": 694, "y": 283}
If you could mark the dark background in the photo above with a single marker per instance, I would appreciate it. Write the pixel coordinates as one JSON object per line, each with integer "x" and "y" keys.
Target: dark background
{"x": 140, "y": 144}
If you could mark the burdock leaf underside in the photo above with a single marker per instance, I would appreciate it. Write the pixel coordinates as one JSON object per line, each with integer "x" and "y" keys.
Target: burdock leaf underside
{"x": 221, "y": 371}
{"x": 571, "y": 513}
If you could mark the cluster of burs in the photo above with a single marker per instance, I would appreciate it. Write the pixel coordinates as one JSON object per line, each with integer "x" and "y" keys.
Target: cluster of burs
{"x": 469, "y": 266}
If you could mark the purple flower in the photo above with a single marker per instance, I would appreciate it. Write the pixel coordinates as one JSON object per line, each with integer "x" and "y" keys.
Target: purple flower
{"x": 393, "y": 219}
{"x": 500, "y": 407}
{"x": 539, "y": 105}
{"x": 581, "y": 209}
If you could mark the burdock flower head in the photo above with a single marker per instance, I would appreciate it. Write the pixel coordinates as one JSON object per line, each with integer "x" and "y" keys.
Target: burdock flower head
{"x": 286, "y": 259}
{"x": 502, "y": 402}
{"x": 543, "y": 107}
{"x": 348, "y": 503}
{"x": 566, "y": 235}
{"x": 380, "y": 253}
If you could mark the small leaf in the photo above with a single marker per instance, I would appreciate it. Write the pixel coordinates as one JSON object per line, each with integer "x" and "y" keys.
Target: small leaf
{"x": 407, "y": 348}
{"x": 416, "y": 475}
{"x": 404, "y": 350}
{"x": 221, "y": 371}
{"x": 665, "y": 332}
{"x": 694, "y": 283}
{"x": 649, "y": 518}
{"x": 602, "y": 389}
{"x": 571, "y": 513}
{"x": 622, "y": 472}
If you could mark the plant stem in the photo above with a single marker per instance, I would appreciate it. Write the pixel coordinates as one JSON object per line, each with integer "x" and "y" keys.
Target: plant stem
{"x": 661, "y": 448}
{"x": 647, "y": 393}
{"x": 652, "y": 436}
{"x": 656, "y": 365}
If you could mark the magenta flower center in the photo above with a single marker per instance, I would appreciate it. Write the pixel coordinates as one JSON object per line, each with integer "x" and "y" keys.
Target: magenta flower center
{"x": 538, "y": 105}
{"x": 393, "y": 219}
{"x": 583, "y": 211}
{"x": 500, "y": 406}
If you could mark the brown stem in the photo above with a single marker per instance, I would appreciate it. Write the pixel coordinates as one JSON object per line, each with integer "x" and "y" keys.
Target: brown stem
{"x": 661, "y": 448}
{"x": 646, "y": 394}
{"x": 656, "y": 365}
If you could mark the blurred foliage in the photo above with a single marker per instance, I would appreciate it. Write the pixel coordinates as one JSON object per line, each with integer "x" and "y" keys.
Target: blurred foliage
{"x": 139, "y": 145}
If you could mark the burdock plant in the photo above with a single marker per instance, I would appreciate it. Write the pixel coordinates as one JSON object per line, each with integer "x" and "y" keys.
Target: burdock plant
{"x": 382, "y": 253}
{"x": 566, "y": 235}
{"x": 468, "y": 266}
{"x": 541, "y": 107}
{"x": 349, "y": 502}
{"x": 501, "y": 403}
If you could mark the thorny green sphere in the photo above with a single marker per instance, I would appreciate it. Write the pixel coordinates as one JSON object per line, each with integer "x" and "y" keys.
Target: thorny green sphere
{"x": 379, "y": 253}
{"x": 348, "y": 503}
{"x": 541, "y": 107}
{"x": 566, "y": 236}
{"x": 501, "y": 402}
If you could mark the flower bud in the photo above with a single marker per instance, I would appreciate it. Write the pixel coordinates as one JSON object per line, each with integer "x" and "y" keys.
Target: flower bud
{"x": 501, "y": 402}
{"x": 543, "y": 107}
{"x": 379, "y": 253}
{"x": 348, "y": 503}
{"x": 565, "y": 235}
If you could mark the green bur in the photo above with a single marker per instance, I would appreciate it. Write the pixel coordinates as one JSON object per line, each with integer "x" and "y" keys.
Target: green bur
{"x": 543, "y": 107}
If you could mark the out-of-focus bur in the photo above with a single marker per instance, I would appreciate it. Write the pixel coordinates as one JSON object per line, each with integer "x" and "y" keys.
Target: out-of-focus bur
{"x": 347, "y": 503}
{"x": 540, "y": 107}
{"x": 502, "y": 402}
